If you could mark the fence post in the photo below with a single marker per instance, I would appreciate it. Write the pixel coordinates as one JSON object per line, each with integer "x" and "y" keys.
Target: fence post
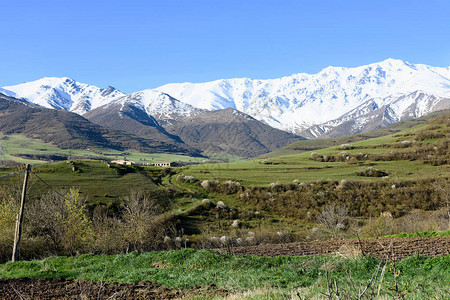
{"x": 19, "y": 219}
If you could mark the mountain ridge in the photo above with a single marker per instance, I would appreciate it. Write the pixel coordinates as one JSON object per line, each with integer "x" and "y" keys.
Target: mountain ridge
{"x": 70, "y": 130}
{"x": 311, "y": 105}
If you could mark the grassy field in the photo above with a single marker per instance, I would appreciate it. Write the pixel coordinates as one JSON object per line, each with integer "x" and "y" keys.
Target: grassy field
{"x": 285, "y": 169}
{"x": 13, "y": 145}
{"x": 417, "y": 277}
{"x": 96, "y": 181}
{"x": 315, "y": 144}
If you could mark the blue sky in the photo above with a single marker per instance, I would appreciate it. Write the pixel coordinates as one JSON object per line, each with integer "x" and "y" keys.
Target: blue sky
{"x": 134, "y": 45}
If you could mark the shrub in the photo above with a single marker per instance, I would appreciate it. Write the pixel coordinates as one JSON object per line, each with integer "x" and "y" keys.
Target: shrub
{"x": 210, "y": 185}
{"x": 8, "y": 212}
{"x": 78, "y": 230}
{"x": 231, "y": 187}
{"x": 316, "y": 156}
{"x": 334, "y": 217}
{"x": 346, "y": 147}
{"x": 427, "y": 135}
{"x": 186, "y": 178}
{"x": 139, "y": 213}
{"x": 371, "y": 172}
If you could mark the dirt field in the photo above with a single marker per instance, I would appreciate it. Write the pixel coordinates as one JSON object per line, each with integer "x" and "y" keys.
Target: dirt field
{"x": 26, "y": 288}
{"x": 395, "y": 248}
{"x": 398, "y": 248}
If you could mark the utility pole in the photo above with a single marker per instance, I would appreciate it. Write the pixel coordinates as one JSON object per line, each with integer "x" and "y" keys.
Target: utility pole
{"x": 19, "y": 219}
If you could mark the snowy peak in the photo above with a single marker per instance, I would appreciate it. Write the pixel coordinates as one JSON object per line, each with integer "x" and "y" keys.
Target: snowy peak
{"x": 299, "y": 101}
{"x": 64, "y": 94}
{"x": 156, "y": 104}
{"x": 293, "y": 103}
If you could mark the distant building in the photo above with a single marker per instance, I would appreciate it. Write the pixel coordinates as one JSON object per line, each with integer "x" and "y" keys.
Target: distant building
{"x": 163, "y": 164}
{"x": 123, "y": 162}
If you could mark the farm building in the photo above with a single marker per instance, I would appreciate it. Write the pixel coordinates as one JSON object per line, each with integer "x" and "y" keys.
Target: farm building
{"x": 163, "y": 164}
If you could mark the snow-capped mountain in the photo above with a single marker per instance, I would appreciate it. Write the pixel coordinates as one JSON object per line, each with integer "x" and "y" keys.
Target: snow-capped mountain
{"x": 369, "y": 116}
{"x": 156, "y": 104}
{"x": 6, "y": 92}
{"x": 312, "y": 105}
{"x": 63, "y": 93}
{"x": 298, "y": 102}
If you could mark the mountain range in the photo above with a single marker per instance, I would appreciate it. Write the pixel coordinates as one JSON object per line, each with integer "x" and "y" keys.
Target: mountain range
{"x": 261, "y": 114}
{"x": 69, "y": 130}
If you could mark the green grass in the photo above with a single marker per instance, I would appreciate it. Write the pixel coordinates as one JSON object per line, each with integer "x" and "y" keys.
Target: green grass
{"x": 299, "y": 166}
{"x": 96, "y": 182}
{"x": 420, "y": 234}
{"x": 18, "y": 144}
{"x": 284, "y": 169}
{"x": 187, "y": 268}
{"x": 315, "y": 144}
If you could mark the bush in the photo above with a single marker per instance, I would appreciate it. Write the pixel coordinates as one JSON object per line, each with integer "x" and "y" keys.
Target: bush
{"x": 371, "y": 172}
{"x": 427, "y": 135}
{"x": 139, "y": 212}
{"x": 186, "y": 178}
{"x": 77, "y": 228}
{"x": 210, "y": 185}
{"x": 334, "y": 217}
{"x": 8, "y": 212}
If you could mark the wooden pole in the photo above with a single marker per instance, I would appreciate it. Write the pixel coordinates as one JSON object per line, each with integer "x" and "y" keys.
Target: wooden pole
{"x": 19, "y": 219}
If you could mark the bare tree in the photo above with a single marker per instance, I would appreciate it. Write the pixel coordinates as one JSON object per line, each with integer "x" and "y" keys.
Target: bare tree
{"x": 442, "y": 187}
{"x": 43, "y": 220}
{"x": 139, "y": 213}
{"x": 334, "y": 217}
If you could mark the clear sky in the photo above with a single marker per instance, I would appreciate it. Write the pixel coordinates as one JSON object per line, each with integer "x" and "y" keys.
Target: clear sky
{"x": 134, "y": 45}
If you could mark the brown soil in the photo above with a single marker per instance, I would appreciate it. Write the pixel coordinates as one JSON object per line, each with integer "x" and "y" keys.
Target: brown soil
{"x": 397, "y": 248}
{"x": 27, "y": 288}
{"x": 392, "y": 248}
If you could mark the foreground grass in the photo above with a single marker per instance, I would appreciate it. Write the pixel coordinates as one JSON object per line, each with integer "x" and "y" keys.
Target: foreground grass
{"x": 187, "y": 268}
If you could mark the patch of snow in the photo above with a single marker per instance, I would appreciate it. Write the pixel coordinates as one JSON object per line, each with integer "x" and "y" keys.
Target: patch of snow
{"x": 64, "y": 93}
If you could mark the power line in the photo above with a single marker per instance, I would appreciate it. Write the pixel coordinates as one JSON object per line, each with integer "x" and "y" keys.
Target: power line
{"x": 55, "y": 190}
{"x": 12, "y": 174}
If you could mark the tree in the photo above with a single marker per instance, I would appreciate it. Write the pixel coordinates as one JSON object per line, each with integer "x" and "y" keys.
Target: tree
{"x": 78, "y": 229}
{"x": 139, "y": 213}
{"x": 442, "y": 187}
{"x": 334, "y": 217}
{"x": 44, "y": 217}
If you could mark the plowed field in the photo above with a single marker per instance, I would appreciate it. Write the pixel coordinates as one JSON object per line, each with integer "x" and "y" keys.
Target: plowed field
{"x": 397, "y": 248}
{"x": 27, "y": 288}
{"x": 392, "y": 248}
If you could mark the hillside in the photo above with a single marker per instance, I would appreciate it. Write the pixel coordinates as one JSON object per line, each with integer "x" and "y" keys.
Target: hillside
{"x": 70, "y": 130}
{"x": 231, "y": 132}
{"x": 131, "y": 119}
{"x": 404, "y": 155}
{"x": 315, "y": 144}
{"x": 220, "y": 134}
